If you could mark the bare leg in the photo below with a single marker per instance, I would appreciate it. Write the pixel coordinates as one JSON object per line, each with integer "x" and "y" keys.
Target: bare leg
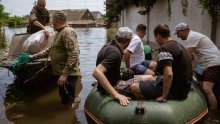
{"x": 137, "y": 79}
{"x": 207, "y": 87}
{"x": 135, "y": 89}
{"x": 149, "y": 72}
{"x": 148, "y": 78}
{"x": 153, "y": 66}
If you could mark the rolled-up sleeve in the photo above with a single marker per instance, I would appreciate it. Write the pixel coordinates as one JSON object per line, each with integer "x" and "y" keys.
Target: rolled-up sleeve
{"x": 33, "y": 16}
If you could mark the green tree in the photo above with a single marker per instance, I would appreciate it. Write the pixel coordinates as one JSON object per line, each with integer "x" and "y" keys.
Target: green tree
{"x": 114, "y": 8}
{"x": 213, "y": 9}
{"x": 3, "y": 15}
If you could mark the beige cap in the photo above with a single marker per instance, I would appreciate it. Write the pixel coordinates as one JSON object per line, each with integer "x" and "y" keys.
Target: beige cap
{"x": 60, "y": 15}
{"x": 180, "y": 26}
{"x": 124, "y": 32}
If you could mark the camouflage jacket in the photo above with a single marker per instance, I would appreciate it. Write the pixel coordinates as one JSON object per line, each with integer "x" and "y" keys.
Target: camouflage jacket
{"x": 64, "y": 53}
{"x": 36, "y": 15}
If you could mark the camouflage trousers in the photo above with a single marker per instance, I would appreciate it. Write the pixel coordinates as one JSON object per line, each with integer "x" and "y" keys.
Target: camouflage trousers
{"x": 122, "y": 85}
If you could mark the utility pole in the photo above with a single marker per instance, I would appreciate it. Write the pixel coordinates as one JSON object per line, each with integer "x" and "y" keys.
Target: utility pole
{"x": 68, "y": 4}
{"x": 35, "y": 3}
{"x": 85, "y": 3}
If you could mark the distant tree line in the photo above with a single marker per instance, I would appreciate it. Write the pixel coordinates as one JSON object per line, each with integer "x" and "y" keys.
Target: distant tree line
{"x": 6, "y": 20}
{"x": 11, "y": 21}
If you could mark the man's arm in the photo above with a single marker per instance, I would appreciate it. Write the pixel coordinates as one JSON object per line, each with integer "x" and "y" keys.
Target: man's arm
{"x": 167, "y": 80}
{"x": 41, "y": 54}
{"x": 127, "y": 55}
{"x": 33, "y": 19}
{"x": 72, "y": 51}
{"x": 190, "y": 51}
{"x": 38, "y": 24}
{"x": 98, "y": 74}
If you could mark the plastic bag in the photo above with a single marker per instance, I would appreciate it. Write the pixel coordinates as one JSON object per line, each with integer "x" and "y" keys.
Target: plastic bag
{"x": 38, "y": 41}
{"x": 199, "y": 70}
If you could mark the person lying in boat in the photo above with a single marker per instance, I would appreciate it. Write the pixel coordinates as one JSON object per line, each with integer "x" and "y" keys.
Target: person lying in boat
{"x": 134, "y": 56}
{"x": 175, "y": 66}
{"x": 107, "y": 71}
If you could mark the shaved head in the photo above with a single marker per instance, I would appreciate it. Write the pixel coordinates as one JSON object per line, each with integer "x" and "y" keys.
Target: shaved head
{"x": 41, "y": 5}
{"x": 41, "y": 1}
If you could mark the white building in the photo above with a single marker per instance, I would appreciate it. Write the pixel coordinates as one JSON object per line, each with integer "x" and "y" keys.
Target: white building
{"x": 197, "y": 18}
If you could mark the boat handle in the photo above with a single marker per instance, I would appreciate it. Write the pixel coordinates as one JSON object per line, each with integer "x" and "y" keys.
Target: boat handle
{"x": 140, "y": 108}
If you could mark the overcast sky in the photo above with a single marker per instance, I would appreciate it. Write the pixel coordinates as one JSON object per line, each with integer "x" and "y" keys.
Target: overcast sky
{"x": 23, "y": 7}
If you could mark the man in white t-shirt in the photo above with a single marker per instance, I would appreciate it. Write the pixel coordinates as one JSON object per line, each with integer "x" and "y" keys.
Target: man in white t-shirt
{"x": 134, "y": 54}
{"x": 204, "y": 51}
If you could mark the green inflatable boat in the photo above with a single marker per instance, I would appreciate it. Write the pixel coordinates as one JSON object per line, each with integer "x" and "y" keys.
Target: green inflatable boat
{"x": 103, "y": 109}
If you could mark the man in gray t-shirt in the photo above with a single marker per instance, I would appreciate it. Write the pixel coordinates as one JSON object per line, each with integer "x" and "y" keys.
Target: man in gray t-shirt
{"x": 204, "y": 51}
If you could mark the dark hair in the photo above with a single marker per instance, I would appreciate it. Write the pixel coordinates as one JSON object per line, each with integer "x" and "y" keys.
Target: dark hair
{"x": 163, "y": 30}
{"x": 141, "y": 28}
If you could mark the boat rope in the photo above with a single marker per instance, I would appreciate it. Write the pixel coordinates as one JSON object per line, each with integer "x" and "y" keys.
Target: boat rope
{"x": 36, "y": 73}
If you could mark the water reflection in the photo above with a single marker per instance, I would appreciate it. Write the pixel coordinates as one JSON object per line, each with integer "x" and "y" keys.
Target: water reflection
{"x": 6, "y": 78}
{"x": 9, "y": 32}
{"x": 90, "y": 42}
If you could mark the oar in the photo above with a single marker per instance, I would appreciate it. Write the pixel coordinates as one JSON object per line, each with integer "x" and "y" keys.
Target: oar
{"x": 35, "y": 74}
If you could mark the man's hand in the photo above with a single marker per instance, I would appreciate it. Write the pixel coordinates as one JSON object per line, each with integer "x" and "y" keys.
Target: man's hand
{"x": 47, "y": 34}
{"x": 161, "y": 99}
{"x": 31, "y": 57}
{"x": 129, "y": 70}
{"x": 62, "y": 80}
{"x": 123, "y": 100}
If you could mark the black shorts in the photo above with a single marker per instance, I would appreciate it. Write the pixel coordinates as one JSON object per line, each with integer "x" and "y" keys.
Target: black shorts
{"x": 211, "y": 74}
{"x": 152, "y": 90}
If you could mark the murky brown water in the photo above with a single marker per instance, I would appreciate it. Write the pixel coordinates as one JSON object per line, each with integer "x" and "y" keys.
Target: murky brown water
{"x": 42, "y": 105}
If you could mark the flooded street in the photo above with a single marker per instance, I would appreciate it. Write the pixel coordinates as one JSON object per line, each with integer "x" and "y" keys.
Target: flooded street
{"x": 42, "y": 105}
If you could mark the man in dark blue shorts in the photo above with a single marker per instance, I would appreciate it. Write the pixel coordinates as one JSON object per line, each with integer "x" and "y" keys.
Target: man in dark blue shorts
{"x": 175, "y": 66}
{"x": 107, "y": 71}
{"x": 134, "y": 56}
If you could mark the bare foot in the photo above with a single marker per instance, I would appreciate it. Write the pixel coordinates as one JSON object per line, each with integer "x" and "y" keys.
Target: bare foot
{"x": 71, "y": 106}
{"x": 77, "y": 100}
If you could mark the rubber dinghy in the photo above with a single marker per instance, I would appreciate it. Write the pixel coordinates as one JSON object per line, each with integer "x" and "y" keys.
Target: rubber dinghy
{"x": 101, "y": 108}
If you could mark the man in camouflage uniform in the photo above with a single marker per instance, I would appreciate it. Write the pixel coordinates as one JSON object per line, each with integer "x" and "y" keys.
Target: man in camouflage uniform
{"x": 39, "y": 17}
{"x": 64, "y": 54}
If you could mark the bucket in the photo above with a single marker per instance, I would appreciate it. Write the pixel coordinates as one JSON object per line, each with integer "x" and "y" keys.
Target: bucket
{"x": 148, "y": 52}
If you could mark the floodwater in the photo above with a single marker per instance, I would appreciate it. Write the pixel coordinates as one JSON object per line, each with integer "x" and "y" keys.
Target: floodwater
{"x": 42, "y": 105}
